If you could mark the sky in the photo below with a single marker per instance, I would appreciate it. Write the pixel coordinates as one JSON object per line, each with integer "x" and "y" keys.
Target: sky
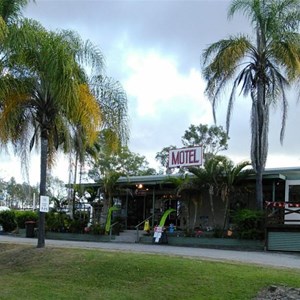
{"x": 154, "y": 49}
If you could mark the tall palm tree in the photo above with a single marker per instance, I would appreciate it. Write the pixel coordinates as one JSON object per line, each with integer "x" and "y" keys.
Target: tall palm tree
{"x": 55, "y": 96}
{"x": 261, "y": 68}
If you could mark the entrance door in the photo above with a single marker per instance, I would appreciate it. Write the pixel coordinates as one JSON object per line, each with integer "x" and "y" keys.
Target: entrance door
{"x": 292, "y": 194}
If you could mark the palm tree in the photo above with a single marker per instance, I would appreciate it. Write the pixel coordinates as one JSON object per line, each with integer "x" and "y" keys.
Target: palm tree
{"x": 262, "y": 68}
{"x": 231, "y": 175}
{"x": 183, "y": 183}
{"x": 209, "y": 177}
{"x": 10, "y": 14}
{"x": 114, "y": 131}
{"x": 55, "y": 96}
{"x": 11, "y": 10}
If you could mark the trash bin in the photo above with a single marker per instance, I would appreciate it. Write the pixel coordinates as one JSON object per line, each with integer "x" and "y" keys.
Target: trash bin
{"x": 29, "y": 226}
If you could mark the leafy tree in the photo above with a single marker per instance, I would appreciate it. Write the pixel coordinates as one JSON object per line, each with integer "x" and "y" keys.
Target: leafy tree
{"x": 163, "y": 158}
{"x": 27, "y": 195}
{"x": 213, "y": 139}
{"x": 14, "y": 191}
{"x": 56, "y": 190}
{"x": 3, "y": 189}
{"x": 261, "y": 67}
{"x": 107, "y": 167}
{"x": 124, "y": 162}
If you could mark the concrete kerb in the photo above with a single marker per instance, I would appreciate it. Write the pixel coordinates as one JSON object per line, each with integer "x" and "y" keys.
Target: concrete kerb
{"x": 274, "y": 259}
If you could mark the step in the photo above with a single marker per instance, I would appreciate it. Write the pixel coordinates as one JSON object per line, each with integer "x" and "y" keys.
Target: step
{"x": 127, "y": 236}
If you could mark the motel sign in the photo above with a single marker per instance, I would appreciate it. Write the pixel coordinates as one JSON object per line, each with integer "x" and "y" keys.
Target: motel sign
{"x": 186, "y": 157}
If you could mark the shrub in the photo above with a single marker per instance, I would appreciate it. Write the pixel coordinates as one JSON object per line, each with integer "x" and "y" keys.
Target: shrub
{"x": 57, "y": 221}
{"x": 78, "y": 226}
{"x": 249, "y": 224}
{"x": 24, "y": 216}
{"x": 218, "y": 232}
{"x": 97, "y": 229}
{"x": 8, "y": 220}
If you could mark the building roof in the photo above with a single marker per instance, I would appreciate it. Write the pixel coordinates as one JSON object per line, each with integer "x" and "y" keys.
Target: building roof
{"x": 270, "y": 173}
{"x": 287, "y": 173}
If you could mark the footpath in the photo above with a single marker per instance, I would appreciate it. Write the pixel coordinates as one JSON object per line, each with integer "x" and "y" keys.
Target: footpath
{"x": 268, "y": 258}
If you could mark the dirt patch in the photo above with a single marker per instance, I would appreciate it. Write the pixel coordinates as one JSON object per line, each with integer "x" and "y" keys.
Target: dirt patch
{"x": 274, "y": 292}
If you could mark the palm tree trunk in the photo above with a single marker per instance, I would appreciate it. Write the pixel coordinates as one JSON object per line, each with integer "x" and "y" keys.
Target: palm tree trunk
{"x": 211, "y": 191}
{"x": 262, "y": 125}
{"x": 195, "y": 212}
{"x": 43, "y": 177}
{"x": 72, "y": 211}
{"x": 226, "y": 213}
{"x": 259, "y": 189}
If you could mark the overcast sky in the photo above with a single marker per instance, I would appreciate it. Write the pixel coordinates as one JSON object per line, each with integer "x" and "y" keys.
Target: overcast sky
{"x": 154, "y": 49}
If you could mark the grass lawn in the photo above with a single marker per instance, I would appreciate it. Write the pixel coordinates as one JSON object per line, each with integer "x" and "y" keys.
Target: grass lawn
{"x": 54, "y": 273}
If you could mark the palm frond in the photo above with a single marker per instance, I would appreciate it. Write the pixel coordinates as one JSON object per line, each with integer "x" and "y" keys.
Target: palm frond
{"x": 221, "y": 60}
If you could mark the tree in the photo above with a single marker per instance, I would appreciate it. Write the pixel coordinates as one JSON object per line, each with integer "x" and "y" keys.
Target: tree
{"x": 213, "y": 139}
{"x": 14, "y": 191}
{"x": 260, "y": 67}
{"x": 10, "y": 14}
{"x": 183, "y": 183}
{"x": 163, "y": 158}
{"x": 209, "y": 177}
{"x": 48, "y": 66}
{"x": 124, "y": 162}
{"x": 11, "y": 10}
{"x": 114, "y": 132}
{"x": 107, "y": 167}
{"x": 56, "y": 190}
{"x": 230, "y": 175}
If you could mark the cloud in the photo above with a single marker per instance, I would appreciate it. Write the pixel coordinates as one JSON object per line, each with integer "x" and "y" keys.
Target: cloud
{"x": 154, "y": 49}
{"x": 163, "y": 102}
{"x": 155, "y": 82}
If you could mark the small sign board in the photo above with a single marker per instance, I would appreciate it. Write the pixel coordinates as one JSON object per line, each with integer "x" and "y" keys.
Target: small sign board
{"x": 44, "y": 204}
{"x": 186, "y": 157}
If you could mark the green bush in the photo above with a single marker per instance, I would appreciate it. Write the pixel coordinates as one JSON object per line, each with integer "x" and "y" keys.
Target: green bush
{"x": 77, "y": 226}
{"x": 24, "y": 216}
{"x": 8, "y": 220}
{"x": 57, "y": 221}
{"x": 249, "y": 224}
{"x": 61, "y": 222}
{"x": 97, "y": 229}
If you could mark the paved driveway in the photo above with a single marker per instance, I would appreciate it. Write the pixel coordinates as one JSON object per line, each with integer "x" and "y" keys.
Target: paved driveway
{"x": 286, "y": 260}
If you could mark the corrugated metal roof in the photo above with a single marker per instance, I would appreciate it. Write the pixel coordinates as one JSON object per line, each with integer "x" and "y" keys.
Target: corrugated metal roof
{"x": 150, "y": 179}
{"x": 270, "y": 173}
